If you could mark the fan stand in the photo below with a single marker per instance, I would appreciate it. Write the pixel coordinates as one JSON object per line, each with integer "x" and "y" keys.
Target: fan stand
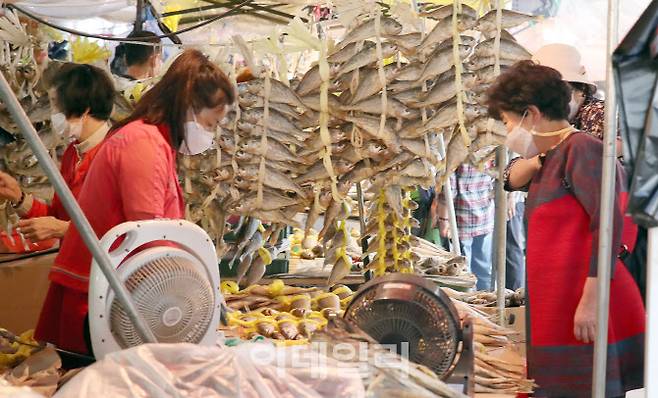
{"x": 462, "y": 373}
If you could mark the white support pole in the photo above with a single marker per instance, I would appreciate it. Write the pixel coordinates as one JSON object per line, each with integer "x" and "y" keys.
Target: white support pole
{"x": 651, "y": 348}
{"x": 500, "y": 233}
{"x": 499, "y": 252}
{"x": 607, "y": 210}
{"x": 447, "y": 194}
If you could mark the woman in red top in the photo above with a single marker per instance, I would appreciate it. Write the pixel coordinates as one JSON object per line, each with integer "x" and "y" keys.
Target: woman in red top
{"x": 84, "y": 95}
{"x": 563, "y": 210}
{"x": 134, "y": 178}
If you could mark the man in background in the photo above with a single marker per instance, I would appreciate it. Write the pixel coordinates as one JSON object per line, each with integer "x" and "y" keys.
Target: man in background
{"x": 135, "y": 61}
{"x": 474, "y": 209}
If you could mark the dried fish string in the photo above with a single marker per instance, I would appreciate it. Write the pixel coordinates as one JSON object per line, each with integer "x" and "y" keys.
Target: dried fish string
{"x": 394, "y": 249}
{"x": 459, "y": 87}
{"x": 238, "y": 113}
{"x": 380, "y": 70}
{"x": 381, "y": 235}
{"x": 354, "y": 81}
{"x": 325, "y": 136}
{"x": 356, "y": 138}
{"x": 263, "y": 138}
{"x": 212, "y": 196}
{"x": 499, "y": 28}
{"x": 187, "y": 168}
{"x": 342, "y": 250}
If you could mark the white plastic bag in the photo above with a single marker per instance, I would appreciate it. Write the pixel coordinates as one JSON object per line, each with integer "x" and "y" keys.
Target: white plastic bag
{"x": 188, "y": 370}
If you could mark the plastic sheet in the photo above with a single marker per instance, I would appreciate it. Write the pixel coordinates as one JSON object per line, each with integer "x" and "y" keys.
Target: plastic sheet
{"x": 7, "y": 390}
{"x": 247, "y": 370}
{"x": 73, "y": 8}
{"x": 636, "y": 78}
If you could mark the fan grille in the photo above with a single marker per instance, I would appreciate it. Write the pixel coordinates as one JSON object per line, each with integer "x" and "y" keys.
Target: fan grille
{"x": 175, "y": 299}
{"x": 425, "y": 323}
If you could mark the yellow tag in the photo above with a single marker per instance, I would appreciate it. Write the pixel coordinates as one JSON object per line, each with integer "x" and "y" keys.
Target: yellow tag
{"x": 276, "y": 288}
{"x": 229, "y": 287}
{"x": 265, "y": 255}
{"x": 172, "y": 21}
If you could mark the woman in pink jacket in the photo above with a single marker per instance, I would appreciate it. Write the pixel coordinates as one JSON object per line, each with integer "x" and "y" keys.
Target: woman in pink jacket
{"x": 134, "y": 177}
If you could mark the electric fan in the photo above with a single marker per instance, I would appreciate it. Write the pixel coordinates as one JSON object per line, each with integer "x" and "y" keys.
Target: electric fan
{"x": 414, "y": 315}
{"x": 173, "y": 280}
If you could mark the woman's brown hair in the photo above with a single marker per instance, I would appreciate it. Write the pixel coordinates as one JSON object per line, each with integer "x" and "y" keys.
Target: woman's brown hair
{"x": 527, "y": 83}
{"x": 192, "y": 81}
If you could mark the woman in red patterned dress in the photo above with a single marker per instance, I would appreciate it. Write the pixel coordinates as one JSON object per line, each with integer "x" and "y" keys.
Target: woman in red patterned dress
{"x": 563, "y": 208}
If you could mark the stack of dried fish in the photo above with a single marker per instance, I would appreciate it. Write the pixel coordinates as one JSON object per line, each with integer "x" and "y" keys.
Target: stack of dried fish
{"x": 499, "y": 368}
{"x": 282, "y": 312}
{"x": 19, "y": 67}
{"x": 489, "y": 299}
{"x": 441, "y": 266}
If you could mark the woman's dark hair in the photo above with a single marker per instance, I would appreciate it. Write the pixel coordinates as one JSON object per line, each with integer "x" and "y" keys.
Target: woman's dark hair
{"x": 587, "y": 90}
{"x": 80, "y": 88}
{"x": 139, "y": 54}
{"x": 192, "y": 81}
{"x": 527, "y": 83}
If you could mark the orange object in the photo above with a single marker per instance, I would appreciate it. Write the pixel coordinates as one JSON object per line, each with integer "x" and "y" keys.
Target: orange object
{"x": 244, "y": 75}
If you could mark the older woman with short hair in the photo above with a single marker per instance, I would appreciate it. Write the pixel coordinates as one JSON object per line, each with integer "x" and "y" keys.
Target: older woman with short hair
{"x": 563, "y": 209}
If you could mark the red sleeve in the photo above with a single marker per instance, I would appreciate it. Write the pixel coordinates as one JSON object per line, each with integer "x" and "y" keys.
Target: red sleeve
{"x": 583, "y": 174}
{"x": 56, "y": 209}
{"x": 38, "y": 209}
{"x": 143, "y": 179}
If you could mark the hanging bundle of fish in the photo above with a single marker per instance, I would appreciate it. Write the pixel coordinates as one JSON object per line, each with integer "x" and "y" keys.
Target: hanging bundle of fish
{"x": 390, "y": 221}
{"x": 476, "y": 139}
{"x": 20, "y": 69}
{"x": 337, "y": 238}
{"x": 298, "y": 147}
{"x": 251, "y": 253}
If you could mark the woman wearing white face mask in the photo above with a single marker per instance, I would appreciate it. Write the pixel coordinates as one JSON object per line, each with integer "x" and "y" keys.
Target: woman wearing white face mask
{"x": 134, "y": 177}
{"x": 84, "y": 96}
{"x": 586, "y": 112}
{"x": 562, "y": 210}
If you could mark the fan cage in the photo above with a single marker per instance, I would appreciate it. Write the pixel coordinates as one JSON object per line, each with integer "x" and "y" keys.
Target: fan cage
{"x": 173, "y": 296}
{"x": 425, "y": 322}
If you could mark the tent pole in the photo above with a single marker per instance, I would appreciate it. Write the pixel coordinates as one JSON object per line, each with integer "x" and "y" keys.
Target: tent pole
{"x": 651, "y": 349}
{"x": 499, "y": 252}
{"x": 500, "y": 232}
{"x": 139, "y": 15}
{"x": 72, "y": 208}
{"x": 447, "y": 194}
{"x": 607, "y": 210}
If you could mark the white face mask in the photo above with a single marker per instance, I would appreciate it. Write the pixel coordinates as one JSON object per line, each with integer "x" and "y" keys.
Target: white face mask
{"x": 75, "y": 128}
{"x": 197, "y": 138}
{"x": 573, "y": 107}
{"x": 58, "y": 123}
{"x": 521, "y": 141}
